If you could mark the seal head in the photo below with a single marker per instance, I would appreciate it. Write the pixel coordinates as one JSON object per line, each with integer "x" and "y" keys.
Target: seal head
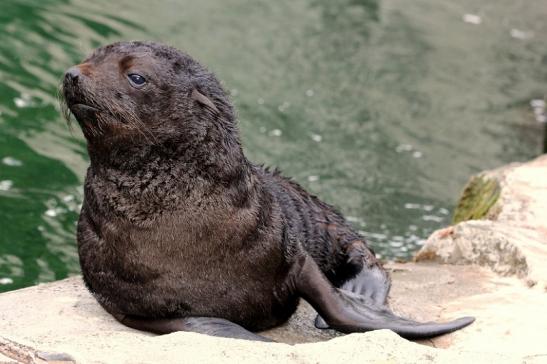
{"x": 130, "y": 97}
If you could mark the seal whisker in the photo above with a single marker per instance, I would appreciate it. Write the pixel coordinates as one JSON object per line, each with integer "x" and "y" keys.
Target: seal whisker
{"x": 65, "y": 111}
{"x": 130, "y": 118}
{"x": 141, "y": 127}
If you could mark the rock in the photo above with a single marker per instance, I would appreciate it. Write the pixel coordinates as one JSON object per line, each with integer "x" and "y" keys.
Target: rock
{"x": 511, "y": 237}
{"x": 64, "y": 320}
{"x": 509, "y": 315}
{"x": 485, "y": 243}
{"x": 478, "y": 197}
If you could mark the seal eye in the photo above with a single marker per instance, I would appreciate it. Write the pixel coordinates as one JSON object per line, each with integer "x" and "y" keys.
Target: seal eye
{"x": 136, "y": 80}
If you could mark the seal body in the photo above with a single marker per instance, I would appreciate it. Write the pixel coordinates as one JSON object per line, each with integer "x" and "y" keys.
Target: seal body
{"x": 206, "y": 259}
{"x": 179, "y": 231}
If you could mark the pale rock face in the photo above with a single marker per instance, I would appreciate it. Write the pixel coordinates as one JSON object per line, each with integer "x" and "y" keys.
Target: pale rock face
{"x": 49, "y": 320}
{"x": 486, "y": 243}
{"x": 511, "y": 241}
{"x": 511, "y": 237}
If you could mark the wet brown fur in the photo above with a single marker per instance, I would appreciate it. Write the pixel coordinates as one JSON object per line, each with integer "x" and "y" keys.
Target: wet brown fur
{"x": 176, "y": 222}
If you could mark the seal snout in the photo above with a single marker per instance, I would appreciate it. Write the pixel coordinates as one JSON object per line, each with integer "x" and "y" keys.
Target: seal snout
{"x": 72, "y": 85}
{"x": 76, "y": 93}
{"x": 73, "y": 74}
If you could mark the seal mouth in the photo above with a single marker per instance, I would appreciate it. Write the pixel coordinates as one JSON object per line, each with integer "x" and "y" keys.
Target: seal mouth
{"x": 84, "y": 108}
{"x": 84, "y": 112}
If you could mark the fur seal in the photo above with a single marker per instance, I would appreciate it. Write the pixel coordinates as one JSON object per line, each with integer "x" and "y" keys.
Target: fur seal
{"x": 179, "y": 231}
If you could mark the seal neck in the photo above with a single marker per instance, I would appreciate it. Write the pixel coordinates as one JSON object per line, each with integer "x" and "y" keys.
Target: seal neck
{"x": 172, "y": 161}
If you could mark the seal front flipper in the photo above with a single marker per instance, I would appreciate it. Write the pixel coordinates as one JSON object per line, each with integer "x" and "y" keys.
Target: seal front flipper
{"x": 348, "y": 312}
{"x": 204, "y": 325}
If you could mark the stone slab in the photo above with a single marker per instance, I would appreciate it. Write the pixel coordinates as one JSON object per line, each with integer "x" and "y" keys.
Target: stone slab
{"x": 62, "y": 317}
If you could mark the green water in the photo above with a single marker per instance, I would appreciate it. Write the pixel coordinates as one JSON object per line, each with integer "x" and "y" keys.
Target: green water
{"x": 382, "y": 108}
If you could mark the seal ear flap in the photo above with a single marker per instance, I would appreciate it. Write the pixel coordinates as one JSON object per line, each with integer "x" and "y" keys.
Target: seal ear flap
{"x": 204, "y": 100}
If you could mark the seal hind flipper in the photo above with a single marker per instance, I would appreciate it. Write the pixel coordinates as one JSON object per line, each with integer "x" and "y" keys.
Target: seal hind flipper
{"x": 372, "y": 283}
{"x": 376, "y": 317}
{"x": 348, "y": 312}
{"x": 203, "y": 325}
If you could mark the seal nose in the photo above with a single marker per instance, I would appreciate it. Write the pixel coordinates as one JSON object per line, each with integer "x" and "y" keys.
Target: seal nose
{"x": 73, "y": 74}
